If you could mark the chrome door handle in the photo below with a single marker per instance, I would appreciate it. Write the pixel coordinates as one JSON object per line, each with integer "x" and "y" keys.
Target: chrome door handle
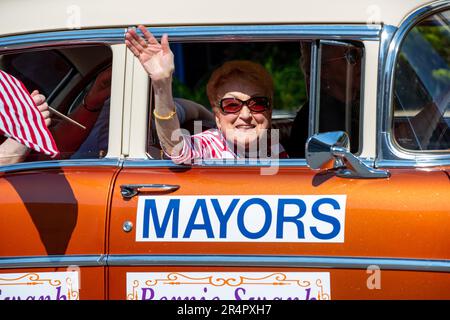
{"x": 130, "y": 190}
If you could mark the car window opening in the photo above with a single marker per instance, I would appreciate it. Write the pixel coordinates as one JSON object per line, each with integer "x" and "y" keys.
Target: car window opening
{"x": 288, "y": 63}
{"x": 76, "y": 83}
{"x": 421, "y": 94}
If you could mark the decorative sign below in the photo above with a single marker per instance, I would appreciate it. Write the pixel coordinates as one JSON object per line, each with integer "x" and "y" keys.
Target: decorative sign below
{"x": 39, "y": 286}
{"x": 228, "y": 286}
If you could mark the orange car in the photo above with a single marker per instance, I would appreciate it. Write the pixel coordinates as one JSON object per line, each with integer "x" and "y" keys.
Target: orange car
{"x": 359, "y": 210}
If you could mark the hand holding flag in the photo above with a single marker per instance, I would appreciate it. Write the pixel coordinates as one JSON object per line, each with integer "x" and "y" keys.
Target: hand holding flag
{"x": 43, "y": 107}
{"x": 21, "y": 119}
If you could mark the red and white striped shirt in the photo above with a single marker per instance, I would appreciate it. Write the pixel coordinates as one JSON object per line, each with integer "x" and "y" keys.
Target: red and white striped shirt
{"x": 211, "y": 144}
{"x": 20, "y": 119}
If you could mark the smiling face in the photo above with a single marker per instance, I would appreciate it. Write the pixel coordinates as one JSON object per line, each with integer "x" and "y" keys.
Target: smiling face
{"x": 243, "y": 127}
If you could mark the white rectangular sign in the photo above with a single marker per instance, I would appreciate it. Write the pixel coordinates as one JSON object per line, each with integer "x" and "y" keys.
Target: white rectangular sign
{"x": 258, "y": 218}
{"x": 39, "y": 286}
{"x": 228, "y": 286}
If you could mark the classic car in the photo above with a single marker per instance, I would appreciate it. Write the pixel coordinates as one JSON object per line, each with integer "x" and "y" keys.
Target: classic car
{"x": 359, "y": 210}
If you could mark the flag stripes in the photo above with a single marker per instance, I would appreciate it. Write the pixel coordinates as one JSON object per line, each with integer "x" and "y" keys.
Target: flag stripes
{"x": 20, "y": 118}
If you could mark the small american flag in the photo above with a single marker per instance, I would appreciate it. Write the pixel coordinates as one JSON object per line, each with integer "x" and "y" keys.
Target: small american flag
{"x": 20, "y": 118}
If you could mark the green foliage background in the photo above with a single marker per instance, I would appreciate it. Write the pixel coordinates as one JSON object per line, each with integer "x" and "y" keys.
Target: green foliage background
{"x": 438, "y": 36}
{"x": 282, "y": 61}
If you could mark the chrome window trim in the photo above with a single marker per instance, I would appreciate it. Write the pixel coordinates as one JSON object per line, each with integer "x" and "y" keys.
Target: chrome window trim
{"x": 333, "y": 262}
{"x": 362, "y": 109}
{"x": 314, "y": 90}
{"x": 360, "y": 32}
{"x": 115, "y": 35}
{"x": 149, "y": 163}
{"x": 411, "y": 164}
{"x": 387, "y": 149}
{"x": 283, "y": 163}
{"x": 383, "y": 74}
{"x": 282, "y": 32}
{"x": 71, "y": 37}
{"x": 51, "y": 164}
{"x": 230, "y": 32}
{"x": 292, "y": 31}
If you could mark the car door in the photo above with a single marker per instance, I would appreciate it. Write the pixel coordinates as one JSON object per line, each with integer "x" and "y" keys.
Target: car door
{"x": 53, "y": 214}
{"x": 276, "y": 230}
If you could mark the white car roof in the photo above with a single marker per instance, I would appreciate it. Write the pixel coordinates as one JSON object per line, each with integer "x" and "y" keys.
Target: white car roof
{"x": 24, "y": 16}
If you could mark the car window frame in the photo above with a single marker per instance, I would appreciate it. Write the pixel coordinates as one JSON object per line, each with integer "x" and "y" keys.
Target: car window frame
{"x": 58, "y": 39}
{"x": 360, "y": 33}
{"x": 67, "y": 77}
{"x": 389, "y": 152}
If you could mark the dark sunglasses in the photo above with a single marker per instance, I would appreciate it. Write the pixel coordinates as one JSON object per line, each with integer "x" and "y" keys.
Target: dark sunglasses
{"x": 255, "y": 104}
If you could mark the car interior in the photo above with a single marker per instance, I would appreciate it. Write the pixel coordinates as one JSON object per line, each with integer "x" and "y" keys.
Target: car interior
{"x": 194, "y": 63}
{"x": 63, "y": 75}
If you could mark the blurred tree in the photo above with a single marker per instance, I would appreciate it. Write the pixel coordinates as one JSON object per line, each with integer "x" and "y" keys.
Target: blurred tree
{"x": 281, "y": 59}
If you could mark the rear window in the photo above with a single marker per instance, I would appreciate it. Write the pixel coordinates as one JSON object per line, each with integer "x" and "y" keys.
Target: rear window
{"x": 41, "y": 70}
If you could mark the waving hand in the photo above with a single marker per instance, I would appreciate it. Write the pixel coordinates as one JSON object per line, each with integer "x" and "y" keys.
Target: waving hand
{"x": 156, "y": 58}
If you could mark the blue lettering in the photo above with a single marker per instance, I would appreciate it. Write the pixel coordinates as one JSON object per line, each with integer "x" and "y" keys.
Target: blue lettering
{"x": 267, "y": 222}
{"x": 60, "y": 296}
{"x": 144, "y": 294}
{"x": 326, "y": 218}
{"x": 308, "y": 294}
{"x": 236, "y": 293}
{"x": 224, "y": 217}
{"x": 200, "y": 206}
{"x": 160, "y": 229}
{"x": 281, "y": 218}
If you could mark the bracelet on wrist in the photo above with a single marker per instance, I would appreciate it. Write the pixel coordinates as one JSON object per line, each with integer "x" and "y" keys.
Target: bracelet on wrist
{"x": 168, "y": 117}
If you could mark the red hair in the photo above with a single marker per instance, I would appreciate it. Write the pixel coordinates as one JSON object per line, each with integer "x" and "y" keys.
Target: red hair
{"x": 246, "y": 70}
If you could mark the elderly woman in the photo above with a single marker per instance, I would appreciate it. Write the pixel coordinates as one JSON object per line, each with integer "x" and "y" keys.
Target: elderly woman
{"x": 240, "y": 93}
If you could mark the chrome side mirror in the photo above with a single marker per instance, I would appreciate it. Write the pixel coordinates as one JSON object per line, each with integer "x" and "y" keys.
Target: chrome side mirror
{"x": 331, "y": 150}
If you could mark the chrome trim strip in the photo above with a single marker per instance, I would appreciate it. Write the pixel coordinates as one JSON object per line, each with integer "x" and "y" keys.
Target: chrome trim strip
{"x": 116, "y": 35}
{"x": 283, "y": 163}
{"x": 225, "y": 261}
{"x": 279, "y": 261}
{"x": 314, "y": 88}
{"x": 411, "y": 164}
{"x": 386, "y": 38}
{"x": 388, "y": 148}
{"x": 231, "y": 32}
{"x": 53, "y": 261}
{"x": 362, "y": 103}
{"x": 51, "y": 164}
{"x": 149, "y": 163}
